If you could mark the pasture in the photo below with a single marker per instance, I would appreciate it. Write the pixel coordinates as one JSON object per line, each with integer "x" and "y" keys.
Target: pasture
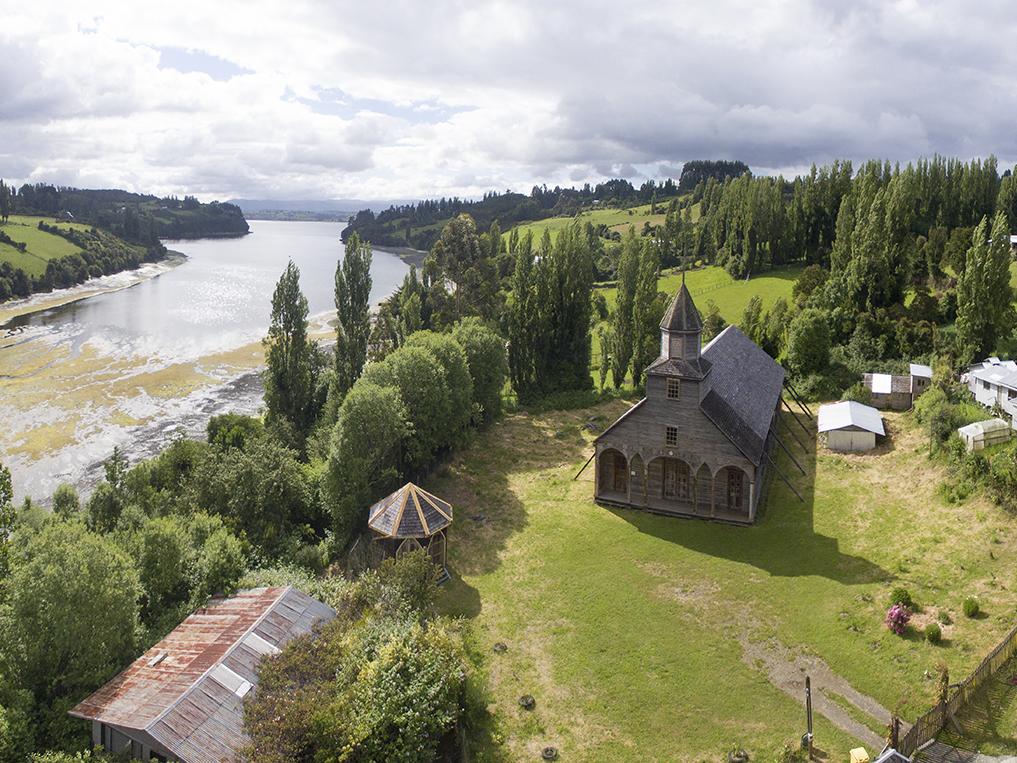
{"x": 618, "y": 220}
{"x": 41, "y": 247}
{"x": 644, "y": 637}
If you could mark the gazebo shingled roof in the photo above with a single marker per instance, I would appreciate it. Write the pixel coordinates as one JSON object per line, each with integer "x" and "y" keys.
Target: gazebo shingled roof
{"x": 410, "y": 512}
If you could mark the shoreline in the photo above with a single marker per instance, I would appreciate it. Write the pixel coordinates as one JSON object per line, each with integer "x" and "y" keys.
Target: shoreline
{"x": 42, "y": 301}
{"x": 412, "y": 257}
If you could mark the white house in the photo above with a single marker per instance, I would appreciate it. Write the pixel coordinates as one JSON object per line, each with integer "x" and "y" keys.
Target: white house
{"x": 994, "y": 381}
{"x": 850, "y": 426}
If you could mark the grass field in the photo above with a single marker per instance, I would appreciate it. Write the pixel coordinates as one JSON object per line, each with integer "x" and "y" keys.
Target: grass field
{"x": 714, "y": 283}
{"x": 652, "y": 638}
{"x": 41, "y": 246}
{"x": 616, "y": 219}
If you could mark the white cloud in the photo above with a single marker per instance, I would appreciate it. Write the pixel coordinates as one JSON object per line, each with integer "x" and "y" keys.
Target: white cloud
{"x": 406, "y": 98}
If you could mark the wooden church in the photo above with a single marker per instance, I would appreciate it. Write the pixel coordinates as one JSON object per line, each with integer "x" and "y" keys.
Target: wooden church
{"x": 698, "y": 444}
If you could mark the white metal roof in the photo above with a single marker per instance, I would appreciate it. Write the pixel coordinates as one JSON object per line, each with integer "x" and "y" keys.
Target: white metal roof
{"x": 882, "y": 384}
{"x": 917, "y": 369}
{"x": 1003, "y": 374}
{"x": 848, "y": 414}
{"x": 983, "y": 427}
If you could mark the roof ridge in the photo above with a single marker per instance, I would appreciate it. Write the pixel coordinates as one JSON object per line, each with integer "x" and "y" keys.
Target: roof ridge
{"x": 227, "y": 653}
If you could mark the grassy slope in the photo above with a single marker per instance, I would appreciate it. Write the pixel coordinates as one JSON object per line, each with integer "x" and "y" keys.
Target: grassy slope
{"x": 616, "y": 219}
{"x": 714, "y": 283}
{"x": 42, "y": 246}
{"x": 629, "y": 628}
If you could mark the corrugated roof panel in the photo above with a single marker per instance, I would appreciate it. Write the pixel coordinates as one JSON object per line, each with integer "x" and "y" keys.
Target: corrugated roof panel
{"x": 188, "y": 702}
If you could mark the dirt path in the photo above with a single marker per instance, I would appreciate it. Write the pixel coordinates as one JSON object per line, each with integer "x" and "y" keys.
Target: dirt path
{"x": 788, "y": 670}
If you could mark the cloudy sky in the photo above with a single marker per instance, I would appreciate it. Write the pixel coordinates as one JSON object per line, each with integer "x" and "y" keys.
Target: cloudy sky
{"x": 405, "y": 99}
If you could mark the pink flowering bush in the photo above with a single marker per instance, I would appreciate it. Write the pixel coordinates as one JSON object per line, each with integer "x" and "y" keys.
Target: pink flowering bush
{"x": 897, "y": 618}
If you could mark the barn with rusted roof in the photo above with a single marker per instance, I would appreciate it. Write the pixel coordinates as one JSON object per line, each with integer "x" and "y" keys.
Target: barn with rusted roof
{"x": 183, "y": 699}
{"x": 698, "y": 443}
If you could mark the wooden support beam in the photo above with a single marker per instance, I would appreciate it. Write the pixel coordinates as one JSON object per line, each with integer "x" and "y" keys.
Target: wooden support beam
{"x": 795, "y": 416}
{"x": 798, "y": 399}
{"x": 785, "y": 449}
{"x": 783, "y": 478}
{"x": 585, "y": 465}
{"x": 805, "y": 448}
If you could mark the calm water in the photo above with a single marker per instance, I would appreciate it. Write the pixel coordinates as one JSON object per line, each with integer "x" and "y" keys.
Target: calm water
{"x": 220, "y": 298}
{"x": 77, "y": 380}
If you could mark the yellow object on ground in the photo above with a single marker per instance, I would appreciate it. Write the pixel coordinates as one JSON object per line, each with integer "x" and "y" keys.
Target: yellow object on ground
{"x": 858, "y": 755}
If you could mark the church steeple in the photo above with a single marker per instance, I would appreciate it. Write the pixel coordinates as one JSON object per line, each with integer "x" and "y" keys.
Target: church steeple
{"x": 681, "y": 329}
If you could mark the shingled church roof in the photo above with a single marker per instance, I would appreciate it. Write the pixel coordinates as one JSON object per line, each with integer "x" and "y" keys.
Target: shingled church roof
{"x": 742, "y": 391}
{"x": 682, "y": 314}
{"x": 410, "y": 512}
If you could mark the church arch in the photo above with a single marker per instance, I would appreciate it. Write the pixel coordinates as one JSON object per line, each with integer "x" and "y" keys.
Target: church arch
{"x": 612, "y": 472}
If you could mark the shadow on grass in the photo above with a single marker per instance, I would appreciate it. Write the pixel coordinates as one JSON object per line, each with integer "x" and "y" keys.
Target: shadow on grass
{"x": 486, "y": 510}
{"x": 783, "y": 542}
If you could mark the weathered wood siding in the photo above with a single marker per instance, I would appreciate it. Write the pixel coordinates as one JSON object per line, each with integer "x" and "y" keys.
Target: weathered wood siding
{"x": 641, "y": 438}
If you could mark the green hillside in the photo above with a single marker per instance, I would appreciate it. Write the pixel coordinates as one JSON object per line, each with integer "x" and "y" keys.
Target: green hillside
{"x": 615, "y": 219}
{"x": 712, "y": 284}
{"x": 42, "y": 253}
{"x": 41, "y": 246}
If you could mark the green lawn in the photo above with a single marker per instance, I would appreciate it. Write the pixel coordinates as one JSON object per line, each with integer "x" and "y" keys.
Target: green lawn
{"x": 41, "y": 246}
{"x": 638, "y": 634}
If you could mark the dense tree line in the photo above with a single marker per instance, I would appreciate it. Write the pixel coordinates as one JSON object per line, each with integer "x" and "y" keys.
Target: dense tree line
{"x": 138, "y": 218}
{"x": 549, "y": 314}
{"x": 418, "y": 225}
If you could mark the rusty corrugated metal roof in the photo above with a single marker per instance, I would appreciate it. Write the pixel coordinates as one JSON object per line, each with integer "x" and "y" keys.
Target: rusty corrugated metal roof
{"x": 186, "y": 693}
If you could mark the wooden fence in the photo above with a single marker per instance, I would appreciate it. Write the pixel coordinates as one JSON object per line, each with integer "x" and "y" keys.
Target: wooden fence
{"x": 929, "y": 725}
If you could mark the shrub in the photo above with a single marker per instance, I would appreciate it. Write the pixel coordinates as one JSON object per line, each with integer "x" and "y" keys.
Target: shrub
{"x": 902, "y": 596}
{"x": 944, "y": 617}
{"x": 859, "y": 393}
{"x": 971, "y": 607}
{"x": 897, "y": 618}
{"x": 933, "y": 633}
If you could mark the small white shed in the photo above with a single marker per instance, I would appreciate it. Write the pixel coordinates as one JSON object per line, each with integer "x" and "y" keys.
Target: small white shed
{"x": 982, "y": 434}
{"x": 850, "y": 426}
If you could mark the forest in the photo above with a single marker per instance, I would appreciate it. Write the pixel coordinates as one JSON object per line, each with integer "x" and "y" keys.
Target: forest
{"x": 134, "y": 217}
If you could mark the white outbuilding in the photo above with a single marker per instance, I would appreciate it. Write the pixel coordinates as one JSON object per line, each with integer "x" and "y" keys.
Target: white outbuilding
{"x": 850, "y": 426}
{"x": 982, "y": 434}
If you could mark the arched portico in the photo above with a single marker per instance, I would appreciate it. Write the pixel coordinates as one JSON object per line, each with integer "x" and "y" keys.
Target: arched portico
{"x": 669, "y": 484}
{"x": 612, "y": 475}
{"x": 732, "y": 490}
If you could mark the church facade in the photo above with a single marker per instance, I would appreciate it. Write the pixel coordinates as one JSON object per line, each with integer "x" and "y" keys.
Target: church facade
{"x": 697, "y": 445}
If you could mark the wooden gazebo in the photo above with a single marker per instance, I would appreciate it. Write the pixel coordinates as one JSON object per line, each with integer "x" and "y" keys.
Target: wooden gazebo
{"x": 411, "y": 519}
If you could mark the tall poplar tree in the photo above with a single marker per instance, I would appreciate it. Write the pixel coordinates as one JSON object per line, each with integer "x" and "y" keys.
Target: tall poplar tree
{"x": 985, "y": 312}
{"x": 645, "y": 320}
{"x": 353, "y": 318}
{"x": 6, "y": 201}
{"x": 628, "y": 272}
{"x": 289, "y": 384}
